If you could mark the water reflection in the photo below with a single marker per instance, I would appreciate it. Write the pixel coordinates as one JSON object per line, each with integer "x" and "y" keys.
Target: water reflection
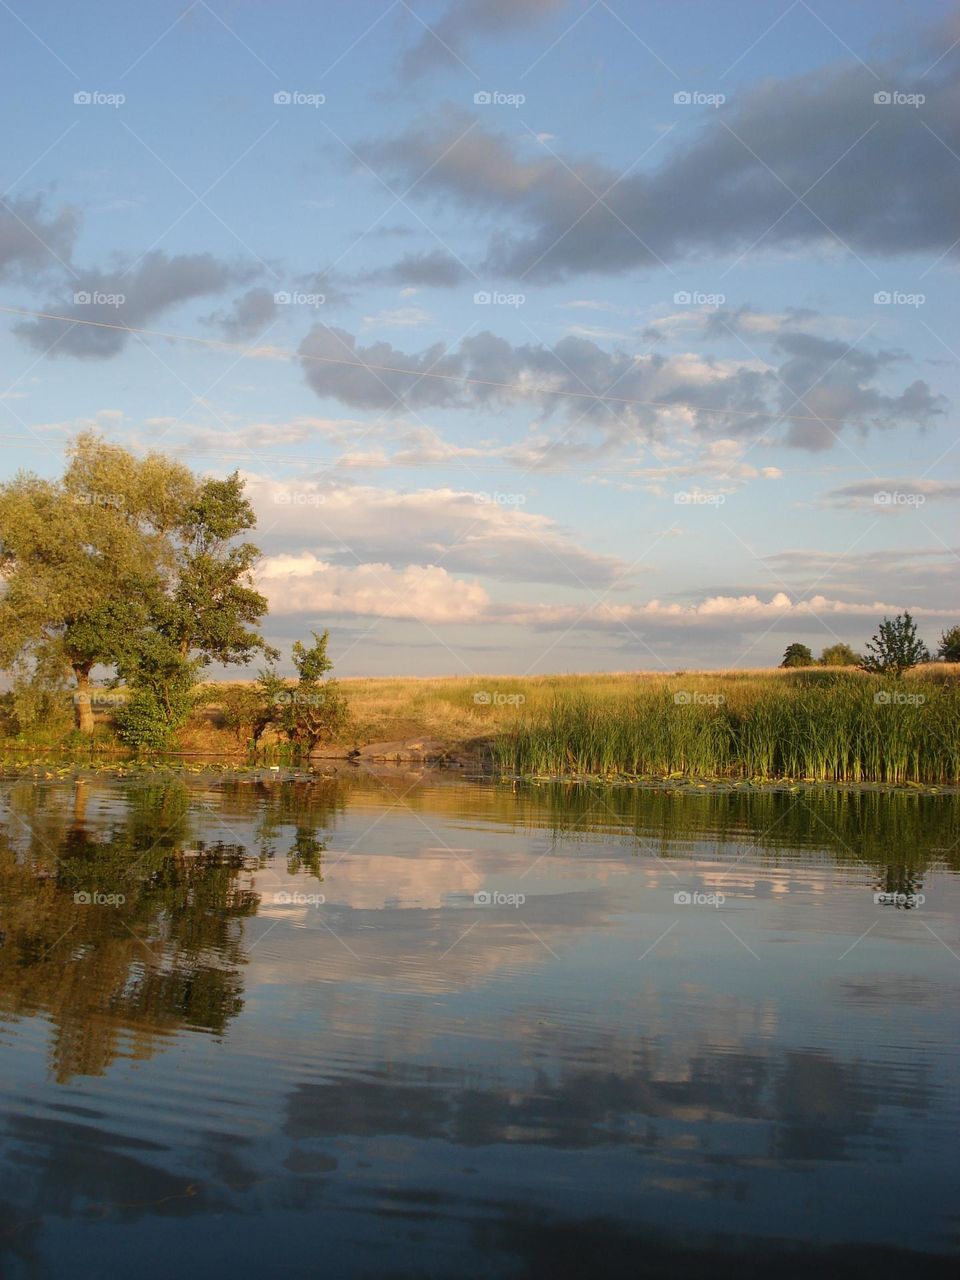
{"x": 436, "y": 1084}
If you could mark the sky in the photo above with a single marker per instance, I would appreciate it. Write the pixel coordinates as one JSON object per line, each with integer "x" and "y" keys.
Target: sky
{"x": 548, "y": 335}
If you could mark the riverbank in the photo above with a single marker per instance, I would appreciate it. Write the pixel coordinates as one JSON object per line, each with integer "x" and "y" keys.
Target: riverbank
{"x": 813, "y": 724}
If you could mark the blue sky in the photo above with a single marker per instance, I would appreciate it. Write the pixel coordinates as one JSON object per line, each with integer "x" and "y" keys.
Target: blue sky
{"x": 708, "y": 408}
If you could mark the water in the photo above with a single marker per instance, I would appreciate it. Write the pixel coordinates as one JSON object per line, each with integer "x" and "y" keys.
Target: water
{"x": 224, "y": 1075}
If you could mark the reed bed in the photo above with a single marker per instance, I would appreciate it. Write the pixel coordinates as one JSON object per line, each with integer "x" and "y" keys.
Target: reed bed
{"x": 824, "y": 728}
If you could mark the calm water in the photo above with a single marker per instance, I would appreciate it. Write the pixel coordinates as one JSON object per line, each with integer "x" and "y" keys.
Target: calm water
{"x": 302, "y": 1046}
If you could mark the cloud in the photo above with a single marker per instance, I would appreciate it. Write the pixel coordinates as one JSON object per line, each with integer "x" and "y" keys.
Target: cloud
{"x": 874, "y": 179}
{"x": 832, "y": 380}
{"x": 807, "y": 377}
{"x": 131, "y": 298}
{"x": 32, "y": 238}
{"x": 722, "y": 613}
{"x": 304, "y": 584}
{"x": 891, "y": 495}
{"x": 486, "y": 533}
{"x": 251, "y": 314}
{"x": 436, "y": 269}
{"x": 442, "y": 42}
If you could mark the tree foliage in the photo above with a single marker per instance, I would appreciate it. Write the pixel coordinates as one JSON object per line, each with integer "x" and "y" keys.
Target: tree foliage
{"x": 949, "y": 647}
{"x": 895, "y": 648}
{"x": 840, "y": 655}
{"x": 797, "y": 655}
{"x": 132, "y": 564}
{"x": 314, "y": 710}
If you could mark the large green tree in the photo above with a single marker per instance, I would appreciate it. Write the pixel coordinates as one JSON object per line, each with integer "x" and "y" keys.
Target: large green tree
{"x": 132, "y": 564}
{"x": 83, "y": 556}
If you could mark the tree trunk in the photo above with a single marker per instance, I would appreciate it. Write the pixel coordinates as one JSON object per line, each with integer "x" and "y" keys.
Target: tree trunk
{"x": 81, "y": 700}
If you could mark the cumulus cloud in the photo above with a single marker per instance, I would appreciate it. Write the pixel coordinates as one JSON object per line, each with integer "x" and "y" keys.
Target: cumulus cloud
{"x": 131, "y": 298}
{"x": 871, "y": 178}
{"x": 478, "y": 532}
{"x": 441, "y": 43}
{"x": 725, "y": 613}
{"x": 303, "y": 584}
{"x": 820, "y": 383}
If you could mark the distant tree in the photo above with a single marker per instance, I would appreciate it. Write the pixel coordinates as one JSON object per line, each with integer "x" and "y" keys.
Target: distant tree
{"x": 797, "y": 655}
{"x": 949, "y": 649}
{"x": 840, "y": 655}
{"x": 895, "y": 648}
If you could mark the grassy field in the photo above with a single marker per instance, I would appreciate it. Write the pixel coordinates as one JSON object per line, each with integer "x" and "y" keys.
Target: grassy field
{"x": 825, "y": 724}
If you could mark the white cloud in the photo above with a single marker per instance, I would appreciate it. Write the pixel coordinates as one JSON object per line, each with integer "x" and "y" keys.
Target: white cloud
{"x": 305, "y": 584}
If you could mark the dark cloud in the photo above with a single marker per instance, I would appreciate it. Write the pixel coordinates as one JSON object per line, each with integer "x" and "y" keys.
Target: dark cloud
{"x": 810, "y": 377}
{"x": 31, "y": 237}
{"x": 131, "y": 298}
{"x": 830, "y": 380}
{"x": 874, "y": 178}
{"x": 250, "y": 315}
{"x": 436, "y": 269}
{"x": 441, "y": 43}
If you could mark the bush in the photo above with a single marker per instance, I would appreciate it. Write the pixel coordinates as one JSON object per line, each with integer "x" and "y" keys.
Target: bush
{"x": 949, "y": 649}
{"x": 840, "y": 655}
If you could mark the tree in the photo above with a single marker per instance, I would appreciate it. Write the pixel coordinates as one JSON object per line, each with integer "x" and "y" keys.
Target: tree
{"x": 211, "y": 606}
{"x": 895, "y": 648}
{"x": 840, "y": 655}
{"x": 82, "y": 556}
{"x": 132, "y": 564}
{"x": 797, "y": 655}
{"x": 315, "y": 709}
{"x": 949, "y": 649}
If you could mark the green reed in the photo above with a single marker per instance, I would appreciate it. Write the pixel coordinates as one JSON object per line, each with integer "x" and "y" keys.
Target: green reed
{"x": 845, "y": 728}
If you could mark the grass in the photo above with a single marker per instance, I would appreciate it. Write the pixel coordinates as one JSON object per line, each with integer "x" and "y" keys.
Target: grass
{"x": 822, "y": 726}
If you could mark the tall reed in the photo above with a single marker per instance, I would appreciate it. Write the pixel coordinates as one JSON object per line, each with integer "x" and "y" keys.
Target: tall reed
{"x": 843, "y": 729}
